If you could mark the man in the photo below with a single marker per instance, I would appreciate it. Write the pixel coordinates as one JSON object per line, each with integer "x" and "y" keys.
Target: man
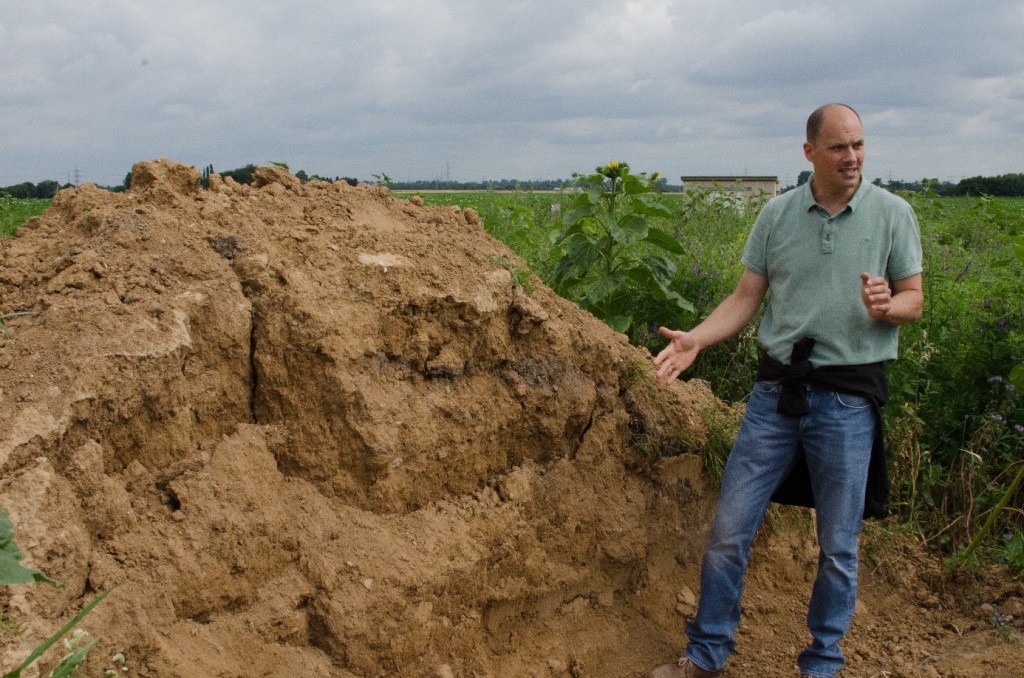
{"x": 842, "y": 259}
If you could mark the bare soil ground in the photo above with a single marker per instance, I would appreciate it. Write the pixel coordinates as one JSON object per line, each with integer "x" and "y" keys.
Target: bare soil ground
{"x": 312, "y": 430}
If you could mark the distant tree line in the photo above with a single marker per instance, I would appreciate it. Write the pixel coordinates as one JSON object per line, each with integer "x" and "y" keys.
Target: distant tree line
{"x": 1003, "y": 186}
{"x": 44, "y": 190}
{"x": 940, "y": 187}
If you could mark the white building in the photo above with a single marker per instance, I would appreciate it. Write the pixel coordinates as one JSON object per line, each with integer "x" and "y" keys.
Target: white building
{"x": 744, "y": 186}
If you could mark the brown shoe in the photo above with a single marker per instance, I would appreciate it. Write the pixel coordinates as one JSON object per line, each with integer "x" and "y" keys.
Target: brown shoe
{"x": 683, "y": 668}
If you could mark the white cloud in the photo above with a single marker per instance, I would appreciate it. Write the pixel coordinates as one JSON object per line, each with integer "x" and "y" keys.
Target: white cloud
{"x": 520, "y": 88}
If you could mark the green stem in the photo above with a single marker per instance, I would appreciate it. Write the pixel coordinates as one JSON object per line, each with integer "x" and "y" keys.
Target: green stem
{"x": 38, "y": 652}
{"x": 990, "y": 521}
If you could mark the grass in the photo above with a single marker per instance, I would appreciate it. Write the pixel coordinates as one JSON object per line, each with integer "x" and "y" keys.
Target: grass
{"x": 14, "y": 213}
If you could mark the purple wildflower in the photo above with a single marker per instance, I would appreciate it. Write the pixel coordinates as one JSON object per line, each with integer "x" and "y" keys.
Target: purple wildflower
{"x": 1000, "y": 619}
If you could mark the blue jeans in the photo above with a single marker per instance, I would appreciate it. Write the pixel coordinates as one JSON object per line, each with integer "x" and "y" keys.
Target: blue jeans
{"x": 836, "y": 436}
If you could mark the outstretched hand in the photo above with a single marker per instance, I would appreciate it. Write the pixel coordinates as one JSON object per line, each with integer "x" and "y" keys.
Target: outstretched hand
{"x": 677, "y": 356}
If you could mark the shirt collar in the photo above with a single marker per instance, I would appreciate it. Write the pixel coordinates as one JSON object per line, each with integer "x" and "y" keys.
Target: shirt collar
{"x": 808, "y": 201}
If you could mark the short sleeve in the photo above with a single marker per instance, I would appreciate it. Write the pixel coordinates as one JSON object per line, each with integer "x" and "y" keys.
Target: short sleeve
{"x": 755, "y": 251}
{"x": 905, "y": 258}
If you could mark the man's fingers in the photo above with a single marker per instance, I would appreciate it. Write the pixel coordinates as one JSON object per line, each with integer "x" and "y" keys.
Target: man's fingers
{"x": 668, "y": 350}
{"x": 667, "y": 333}
{"x": 666, "y": 374}
{"x": 675, "y": 358}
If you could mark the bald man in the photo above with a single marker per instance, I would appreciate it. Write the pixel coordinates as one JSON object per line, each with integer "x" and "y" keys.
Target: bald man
{"x": 842, "y": 259}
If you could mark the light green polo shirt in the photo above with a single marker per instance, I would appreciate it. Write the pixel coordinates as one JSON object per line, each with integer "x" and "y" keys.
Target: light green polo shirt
{"x": 813, "y": 262}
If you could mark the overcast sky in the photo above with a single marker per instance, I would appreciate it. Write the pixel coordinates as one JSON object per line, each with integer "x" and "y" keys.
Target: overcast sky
{"x": 528, "y": 89}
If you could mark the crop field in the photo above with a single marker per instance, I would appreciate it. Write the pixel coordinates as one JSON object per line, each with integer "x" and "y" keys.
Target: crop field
{"x": 14, "y": 213}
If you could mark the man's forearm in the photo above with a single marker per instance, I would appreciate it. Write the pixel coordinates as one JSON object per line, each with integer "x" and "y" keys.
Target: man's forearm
{"x": 905, "y": 307}
{"x": 728, "y": 318}
{"x": 907, "y": 302}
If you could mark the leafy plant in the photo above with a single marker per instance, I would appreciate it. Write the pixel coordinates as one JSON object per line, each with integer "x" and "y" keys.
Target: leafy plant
{"x": 712, "y": 226}
{"x": 1016, "y": 243}
{"x": 519, "y": 221}
{"x": 12, "y": 572}
{"x": 1014, "y": 550}
{"x": 609, "y": 254}
{"x": 722, "y": 426}
{"x": 521, "y": 277}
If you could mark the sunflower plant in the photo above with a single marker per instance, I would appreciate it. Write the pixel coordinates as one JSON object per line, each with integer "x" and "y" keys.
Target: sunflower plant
{"x": 609, "y": 256}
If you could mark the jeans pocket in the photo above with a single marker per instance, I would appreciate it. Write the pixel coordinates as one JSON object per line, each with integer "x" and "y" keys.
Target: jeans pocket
{"x": 767, "y": 387}
{"x": 853, "y": 402}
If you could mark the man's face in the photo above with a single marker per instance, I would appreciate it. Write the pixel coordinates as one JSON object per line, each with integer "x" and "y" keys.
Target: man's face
{"x": 837, "y": 153}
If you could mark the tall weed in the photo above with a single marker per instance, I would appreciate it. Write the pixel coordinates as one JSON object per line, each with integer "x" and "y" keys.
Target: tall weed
{"x": 956, "y": 418}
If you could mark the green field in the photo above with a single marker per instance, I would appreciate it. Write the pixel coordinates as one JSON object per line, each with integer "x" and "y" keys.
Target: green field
{"x": 14, "y": 213}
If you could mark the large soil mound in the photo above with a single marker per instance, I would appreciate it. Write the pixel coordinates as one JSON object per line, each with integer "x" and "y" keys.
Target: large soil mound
{"x": 312, "y": 430}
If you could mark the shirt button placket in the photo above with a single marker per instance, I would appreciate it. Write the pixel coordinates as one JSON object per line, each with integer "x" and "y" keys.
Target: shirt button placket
{"x": 826, "y": 237}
